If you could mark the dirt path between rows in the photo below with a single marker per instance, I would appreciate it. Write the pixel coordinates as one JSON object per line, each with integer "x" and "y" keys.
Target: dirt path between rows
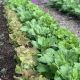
{"x": 7, "y": 62}
{"x": 70, "y": 23}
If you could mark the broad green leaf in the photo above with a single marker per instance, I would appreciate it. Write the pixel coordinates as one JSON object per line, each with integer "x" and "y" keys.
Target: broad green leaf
{"x": 41, "y": 68}
{"x": 24, "y": 28}
{"x": 35, "y": 44}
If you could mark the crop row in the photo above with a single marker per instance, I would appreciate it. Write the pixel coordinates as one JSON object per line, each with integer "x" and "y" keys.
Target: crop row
{"x": 25, "y": 55}
{"x": 70, "y": 6}
{"x": 43, "y": 47}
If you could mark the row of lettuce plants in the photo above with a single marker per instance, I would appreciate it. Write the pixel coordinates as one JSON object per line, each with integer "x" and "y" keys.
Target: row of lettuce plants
{"x": 71, "y": 6}
{"x": 56, "y": 51}
{"x": 26, "y": 55}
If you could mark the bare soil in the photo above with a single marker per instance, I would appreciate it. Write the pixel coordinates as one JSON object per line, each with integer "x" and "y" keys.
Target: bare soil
{"x": 7, "y": 62}
{"x": 70, "y": 22}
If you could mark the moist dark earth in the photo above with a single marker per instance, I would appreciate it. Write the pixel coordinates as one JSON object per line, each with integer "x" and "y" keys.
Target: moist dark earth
{"x": 7, "y": 62}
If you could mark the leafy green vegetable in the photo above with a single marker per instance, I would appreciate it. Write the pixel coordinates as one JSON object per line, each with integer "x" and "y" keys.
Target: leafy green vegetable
{"x": 70, "y": 6}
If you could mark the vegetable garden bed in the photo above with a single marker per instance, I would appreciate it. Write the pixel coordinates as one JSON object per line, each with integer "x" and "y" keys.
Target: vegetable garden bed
{"x": 70, "y": 6}
{"x": 71, "y": 22}
{"x": 45, "y": 50}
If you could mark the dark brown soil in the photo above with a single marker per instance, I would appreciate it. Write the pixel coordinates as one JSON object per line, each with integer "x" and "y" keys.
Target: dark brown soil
{"x": 7, "y": 62}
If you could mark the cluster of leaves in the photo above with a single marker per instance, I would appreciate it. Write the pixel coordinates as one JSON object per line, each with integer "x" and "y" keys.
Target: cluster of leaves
{"x": 58, "y": 50}
{"x": 71, "y": 6}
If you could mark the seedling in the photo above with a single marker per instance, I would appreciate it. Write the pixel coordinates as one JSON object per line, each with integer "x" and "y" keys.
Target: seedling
{"x": 3, "y": 70}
